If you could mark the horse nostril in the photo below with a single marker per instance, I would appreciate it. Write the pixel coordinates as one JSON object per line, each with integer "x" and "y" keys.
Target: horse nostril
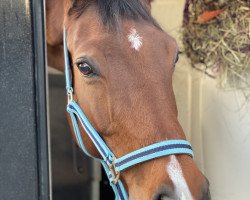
{"x": 206, "y": 192}
{"x": 163, "y": 197}
{"x": 164, "y": 193}
{"x": 206, "y": 195}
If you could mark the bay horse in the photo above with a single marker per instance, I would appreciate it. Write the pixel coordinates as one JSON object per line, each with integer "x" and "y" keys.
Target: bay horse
{"x": 122, "y": 64}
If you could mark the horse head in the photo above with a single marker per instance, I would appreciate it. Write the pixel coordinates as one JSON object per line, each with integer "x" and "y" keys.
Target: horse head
{"x": 122, "y": 65}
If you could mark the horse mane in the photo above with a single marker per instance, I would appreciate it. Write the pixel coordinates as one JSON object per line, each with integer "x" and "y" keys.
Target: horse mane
{"x": 113, "y": 11}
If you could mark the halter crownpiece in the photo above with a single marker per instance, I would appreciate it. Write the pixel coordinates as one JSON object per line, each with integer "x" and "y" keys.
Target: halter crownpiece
{"x": 114, "y": 166}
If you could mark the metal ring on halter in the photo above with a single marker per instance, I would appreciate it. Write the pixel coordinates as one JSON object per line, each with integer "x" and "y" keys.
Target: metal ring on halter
{"x": 114, "y": 173}
{"x": 70, "y": 94}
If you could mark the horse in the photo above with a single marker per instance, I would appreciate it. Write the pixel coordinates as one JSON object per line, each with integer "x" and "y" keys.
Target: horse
{"x": 122, "y": 64}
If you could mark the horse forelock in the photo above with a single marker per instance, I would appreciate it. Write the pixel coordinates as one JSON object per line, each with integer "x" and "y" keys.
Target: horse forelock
{"x": 113, "y": 11}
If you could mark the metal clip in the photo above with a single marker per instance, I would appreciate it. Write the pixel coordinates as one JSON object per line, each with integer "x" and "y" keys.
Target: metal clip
{"x": 115, "y": 174}
{"x": 70, "y": 94}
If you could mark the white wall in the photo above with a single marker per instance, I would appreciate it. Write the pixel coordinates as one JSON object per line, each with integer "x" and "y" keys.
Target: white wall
{"x": 216, "y": 122}
{"x": 225, "y": 131}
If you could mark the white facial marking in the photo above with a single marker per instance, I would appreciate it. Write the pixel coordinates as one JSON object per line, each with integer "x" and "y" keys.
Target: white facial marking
{"x": 135, "y": 39}
{"x": 175, "y": 173}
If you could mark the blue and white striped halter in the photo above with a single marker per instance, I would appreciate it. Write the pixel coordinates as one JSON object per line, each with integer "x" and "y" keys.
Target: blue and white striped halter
{"x": 114, "y": 166}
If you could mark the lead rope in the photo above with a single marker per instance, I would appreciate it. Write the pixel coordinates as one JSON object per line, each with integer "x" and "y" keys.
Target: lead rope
{"x": 113, "y": 166}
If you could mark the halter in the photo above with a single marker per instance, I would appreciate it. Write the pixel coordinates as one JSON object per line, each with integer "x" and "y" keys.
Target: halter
{"x": 114, "y": 166}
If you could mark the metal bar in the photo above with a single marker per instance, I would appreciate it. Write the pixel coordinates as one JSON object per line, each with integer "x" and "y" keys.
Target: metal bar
{"x": 41, "y": 88}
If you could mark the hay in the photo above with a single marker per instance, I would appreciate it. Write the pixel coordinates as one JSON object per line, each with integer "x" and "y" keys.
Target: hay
{"x": 216, "y": 37}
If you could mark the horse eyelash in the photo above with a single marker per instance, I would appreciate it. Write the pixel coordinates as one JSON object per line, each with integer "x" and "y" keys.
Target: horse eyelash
{"x": 177, "y": 57}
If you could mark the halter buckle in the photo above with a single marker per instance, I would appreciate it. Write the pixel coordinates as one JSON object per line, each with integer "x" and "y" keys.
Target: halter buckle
{"x": 114, "y": 173}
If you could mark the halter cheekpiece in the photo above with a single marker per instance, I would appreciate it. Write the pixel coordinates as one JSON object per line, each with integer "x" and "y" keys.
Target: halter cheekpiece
{"x": 114, "y": 166}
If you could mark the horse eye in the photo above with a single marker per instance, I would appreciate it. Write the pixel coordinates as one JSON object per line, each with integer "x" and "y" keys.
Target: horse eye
{"x": 85, "y": 68}
{"x": 177, "y": 58}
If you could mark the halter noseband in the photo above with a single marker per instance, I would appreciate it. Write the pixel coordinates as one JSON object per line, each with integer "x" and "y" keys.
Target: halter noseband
{"x": 112, "y": 165}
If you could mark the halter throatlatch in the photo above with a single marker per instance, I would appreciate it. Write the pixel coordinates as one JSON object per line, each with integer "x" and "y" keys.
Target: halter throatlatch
{"x": 114, "y": 166}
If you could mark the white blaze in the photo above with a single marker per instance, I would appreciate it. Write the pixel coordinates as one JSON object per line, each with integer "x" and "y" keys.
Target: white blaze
{"x": 175, "y": 173}
{"x": 135, "y": 39}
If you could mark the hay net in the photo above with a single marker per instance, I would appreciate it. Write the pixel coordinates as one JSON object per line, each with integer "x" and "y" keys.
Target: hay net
{"x": 216, "y": 37}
